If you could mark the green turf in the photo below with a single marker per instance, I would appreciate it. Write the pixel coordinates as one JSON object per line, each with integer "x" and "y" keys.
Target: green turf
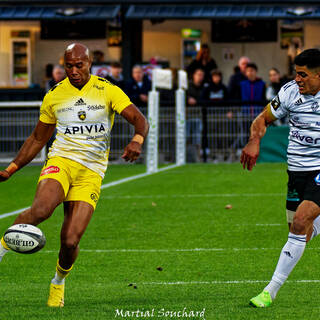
{"x": 141, "y": 226}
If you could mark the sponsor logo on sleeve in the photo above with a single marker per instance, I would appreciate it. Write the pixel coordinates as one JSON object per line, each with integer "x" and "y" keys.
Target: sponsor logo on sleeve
{"x": 275, "y": 103}
{"x": 49, "y": 170}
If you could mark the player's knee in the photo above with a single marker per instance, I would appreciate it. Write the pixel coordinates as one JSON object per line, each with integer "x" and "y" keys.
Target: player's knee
{"x": 40, "y": 213}
{"x": 70, "y": 242}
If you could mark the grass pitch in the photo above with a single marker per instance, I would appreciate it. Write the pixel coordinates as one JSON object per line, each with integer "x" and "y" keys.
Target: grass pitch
{"x": 163, "y": 243}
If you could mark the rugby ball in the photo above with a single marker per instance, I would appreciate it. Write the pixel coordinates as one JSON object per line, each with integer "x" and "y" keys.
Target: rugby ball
{"x": 24, "y": 238}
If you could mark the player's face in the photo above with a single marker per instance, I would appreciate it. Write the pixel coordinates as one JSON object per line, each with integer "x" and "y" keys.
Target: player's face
{"x": 78, "y": 70}
{"x": 307, "y": 80}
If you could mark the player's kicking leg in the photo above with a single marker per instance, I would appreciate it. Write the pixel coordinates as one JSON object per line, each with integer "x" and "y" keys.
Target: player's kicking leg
{"x": 48, "y": 196}
{"x": 77, "y": 215}
{"x": 301, "y": 229}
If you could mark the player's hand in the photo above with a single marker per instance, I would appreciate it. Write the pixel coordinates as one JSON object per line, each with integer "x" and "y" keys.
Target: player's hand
{"x": 132, "y": 151}
{"x": 4, "y": 175}
{"x": 250, "y": 155}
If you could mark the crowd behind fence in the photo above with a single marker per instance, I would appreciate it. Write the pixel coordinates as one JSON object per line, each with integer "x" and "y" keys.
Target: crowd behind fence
{"x": 213, "y": 133}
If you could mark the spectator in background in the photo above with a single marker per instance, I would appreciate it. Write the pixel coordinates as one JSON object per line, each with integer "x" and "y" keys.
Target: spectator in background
{"x": 216, "y": 90}
{"x": 276, "y": 82}
{"x": 235, "y": 79}
{"x": 203, "y": 61}
{"x": 196, "y": 88}
{"x": 194, "y": 117}
{"x": 138, "y": 86}
{"x": 115, "y": 75}
{"x": 58, "y": 74}
{"x": 252, "y": 90}
{"x": 98, "y": 56}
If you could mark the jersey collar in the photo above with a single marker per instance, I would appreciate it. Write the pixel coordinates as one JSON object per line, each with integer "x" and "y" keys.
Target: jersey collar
{"x": 84, "y": 88}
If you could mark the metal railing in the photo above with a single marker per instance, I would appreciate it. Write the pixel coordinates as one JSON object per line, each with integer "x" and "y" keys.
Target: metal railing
{"x": 213, "y": 133}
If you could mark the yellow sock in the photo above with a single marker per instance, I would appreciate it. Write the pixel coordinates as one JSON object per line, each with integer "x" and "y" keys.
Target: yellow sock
{"x": 4, "y": 244}
{"x": 62, "y": 273}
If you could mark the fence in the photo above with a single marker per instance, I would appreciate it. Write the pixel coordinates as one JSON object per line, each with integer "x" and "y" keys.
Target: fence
{"x": 17, "y": 120}
{"x": 17, "y": 123}
{"x": 214, "y": 133}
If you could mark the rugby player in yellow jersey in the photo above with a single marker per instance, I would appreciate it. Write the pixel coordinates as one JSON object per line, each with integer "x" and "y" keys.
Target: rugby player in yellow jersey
{"x": 82, "y": 107}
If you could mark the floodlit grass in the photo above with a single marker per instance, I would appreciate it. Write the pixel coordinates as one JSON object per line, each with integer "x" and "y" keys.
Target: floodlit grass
{"x": 163, "y": 243}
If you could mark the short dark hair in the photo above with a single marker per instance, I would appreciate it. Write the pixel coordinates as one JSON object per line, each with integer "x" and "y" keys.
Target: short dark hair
{"x": 309, "y": 58}
{"x": 116, "y": 64}
{"x": 252, "y": 65}
{"x": 216, "y": 72}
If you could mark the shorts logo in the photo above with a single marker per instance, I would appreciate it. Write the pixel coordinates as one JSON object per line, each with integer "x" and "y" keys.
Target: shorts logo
{"x": 82, "y": 115}
{"x": 51, "y": 169}
{"x": 94, "y": 197}
{"x": 317, "y": 179}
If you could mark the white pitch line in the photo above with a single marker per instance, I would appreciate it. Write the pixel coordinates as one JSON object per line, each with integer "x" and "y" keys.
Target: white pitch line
{"x": 142, "y": 175}
{"x": 174, "y": 250}
{"x": 4, "y": 215}
{"x": 195, "y": 195}
{"x": 222, "y": 282}
{"x": 104, "y": 186}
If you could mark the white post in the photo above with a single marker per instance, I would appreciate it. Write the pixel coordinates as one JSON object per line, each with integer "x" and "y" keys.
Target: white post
{"x": 181, "y": 118}
{"x": 152, "y": 140}
{"x": 180, "y": 127}
{"x": 160, "y": 79}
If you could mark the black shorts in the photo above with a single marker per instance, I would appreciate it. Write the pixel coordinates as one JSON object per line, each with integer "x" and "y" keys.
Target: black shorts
{"x": 303, "y": 185}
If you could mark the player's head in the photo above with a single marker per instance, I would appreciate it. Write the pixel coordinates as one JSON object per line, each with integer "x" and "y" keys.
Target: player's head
{"x": 308, "y": 71}
{"x": 77, "y": 63}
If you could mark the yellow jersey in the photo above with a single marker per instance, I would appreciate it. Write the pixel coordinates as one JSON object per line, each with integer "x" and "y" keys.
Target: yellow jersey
{"x": 84, "y": 120}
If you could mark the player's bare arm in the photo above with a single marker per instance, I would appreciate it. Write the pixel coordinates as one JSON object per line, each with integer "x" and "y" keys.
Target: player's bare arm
{"x": 133, "y": 115}
{"x": 258, "y": 129}
{"x": 31, "y": 147}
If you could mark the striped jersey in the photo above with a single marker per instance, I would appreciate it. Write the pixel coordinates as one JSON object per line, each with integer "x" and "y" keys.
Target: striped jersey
{"x": 84, "y": 120}
{"x": 303, "y": 112}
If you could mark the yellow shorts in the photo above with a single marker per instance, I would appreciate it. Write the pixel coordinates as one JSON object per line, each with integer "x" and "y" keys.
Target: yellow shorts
{"x": 79, "y": 182}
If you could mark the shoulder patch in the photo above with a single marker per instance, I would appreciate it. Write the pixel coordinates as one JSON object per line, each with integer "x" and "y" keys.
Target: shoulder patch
{"x": 275, "y": 103}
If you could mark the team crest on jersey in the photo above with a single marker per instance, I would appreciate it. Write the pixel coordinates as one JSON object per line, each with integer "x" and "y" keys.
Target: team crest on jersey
{"x": 314, "y": 106}
{"x": 82, "y": 115}
{"x": 275, "y": 103}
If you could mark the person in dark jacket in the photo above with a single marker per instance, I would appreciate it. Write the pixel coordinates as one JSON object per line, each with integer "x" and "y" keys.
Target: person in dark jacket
{"x": 138, "y": 86}
{"x": 203, "y": 61}
{"x": 215, "y": 92}
{"x": 115, "y": 75}
{"x": 253, "y": 89}
{"x": 235, "y": 79}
